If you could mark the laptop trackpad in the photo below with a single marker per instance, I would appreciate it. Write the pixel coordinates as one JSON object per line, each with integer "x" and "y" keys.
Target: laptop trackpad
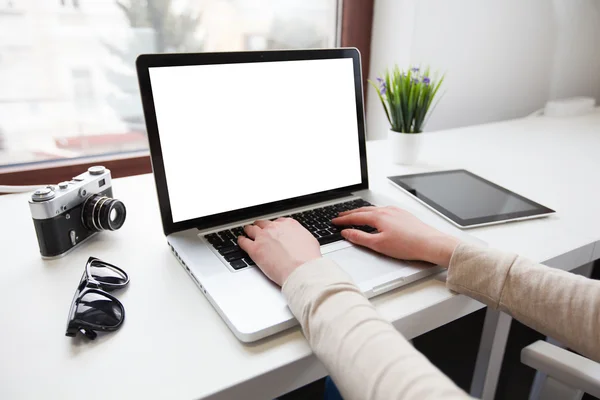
{"x": 368, "y": 268}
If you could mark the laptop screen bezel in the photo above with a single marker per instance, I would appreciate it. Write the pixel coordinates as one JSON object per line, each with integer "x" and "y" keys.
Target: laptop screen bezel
{"x": 146, "y": 61}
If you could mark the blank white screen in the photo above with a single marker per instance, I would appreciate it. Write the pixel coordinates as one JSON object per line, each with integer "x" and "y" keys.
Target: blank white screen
{"x": 239, "y": 135}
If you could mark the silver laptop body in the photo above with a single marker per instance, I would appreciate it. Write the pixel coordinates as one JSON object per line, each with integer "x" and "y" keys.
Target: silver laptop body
{"x": 199, "y": 150}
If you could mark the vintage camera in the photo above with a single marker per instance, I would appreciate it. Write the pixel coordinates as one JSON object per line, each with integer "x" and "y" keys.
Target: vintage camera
{"x": 71, "y": 212}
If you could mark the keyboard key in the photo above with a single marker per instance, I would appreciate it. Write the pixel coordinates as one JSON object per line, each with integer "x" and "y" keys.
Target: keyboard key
{"x": 342, "y": 207}
{"x": 227, "y": 237}
{"x": 212, "y": 238}
{"x": 315, "y": 235}
{"x": 320, "y": 225}
{"x": 330, "y": 239}
{"x": 323, "y": 233}
{"x": 228, "y": 250}
{"x": 249, "y": 261}
{"x": 238, "y": 255}
{"x": 238, "y": 264}
{"x": 222, "y": 244}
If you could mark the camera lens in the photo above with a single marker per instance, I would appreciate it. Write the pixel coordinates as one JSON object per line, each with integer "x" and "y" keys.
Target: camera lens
{"x": 103, "y": 213}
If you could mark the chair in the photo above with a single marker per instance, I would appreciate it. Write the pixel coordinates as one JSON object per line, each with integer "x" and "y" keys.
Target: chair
{"x": 561, "y": 374}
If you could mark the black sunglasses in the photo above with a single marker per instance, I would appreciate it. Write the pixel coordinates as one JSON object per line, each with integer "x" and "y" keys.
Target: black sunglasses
{"x": 92, "y": 308}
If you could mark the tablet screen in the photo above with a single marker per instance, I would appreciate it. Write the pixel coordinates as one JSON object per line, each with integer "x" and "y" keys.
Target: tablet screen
{"x": 468, "y": 199}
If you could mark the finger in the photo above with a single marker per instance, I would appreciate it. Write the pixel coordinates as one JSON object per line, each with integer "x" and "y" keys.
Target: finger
{"x": 262, "y": 223}
{"x": 252, "y": 231}
{"x": 360, "y": 218}
{"x": 361, "y": 209}
{"x": 360, "y": 238}
{"x": 246, "y": 244}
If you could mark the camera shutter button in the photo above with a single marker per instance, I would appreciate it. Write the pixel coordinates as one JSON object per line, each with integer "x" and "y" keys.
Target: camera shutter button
{"x": 96, "y": 170}
{"x": 63, "y": 185}
{"x": 43, "y": 194}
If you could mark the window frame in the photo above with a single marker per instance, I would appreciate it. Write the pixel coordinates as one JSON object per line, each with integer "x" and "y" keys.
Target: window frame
{"x": 356, "y": 21}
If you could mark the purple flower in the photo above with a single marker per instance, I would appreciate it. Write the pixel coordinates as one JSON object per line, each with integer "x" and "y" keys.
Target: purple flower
{"x": 415, "y": 80}
{"x": 415, "y": 69}
{"x": 426, "y": 81}
{"x": 382, "y": 87}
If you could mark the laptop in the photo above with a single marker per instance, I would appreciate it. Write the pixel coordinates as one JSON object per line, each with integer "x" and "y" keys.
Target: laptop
{"x": 236, "y": 137}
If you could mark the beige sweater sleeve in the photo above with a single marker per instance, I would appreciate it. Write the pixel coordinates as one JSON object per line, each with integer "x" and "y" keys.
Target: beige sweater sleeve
{"x": 559, "y": 304}
{"x": 365, "y": 355}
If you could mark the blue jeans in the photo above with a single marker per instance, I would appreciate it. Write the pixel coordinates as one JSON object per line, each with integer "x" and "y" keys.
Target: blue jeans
{"x": 331, "y": 391}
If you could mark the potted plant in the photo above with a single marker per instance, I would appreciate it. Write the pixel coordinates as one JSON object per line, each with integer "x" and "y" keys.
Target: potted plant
{"x": 406, "y": 97}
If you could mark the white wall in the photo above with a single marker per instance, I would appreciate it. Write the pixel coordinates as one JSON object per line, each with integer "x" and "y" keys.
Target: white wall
{"x": 502, "y": 58}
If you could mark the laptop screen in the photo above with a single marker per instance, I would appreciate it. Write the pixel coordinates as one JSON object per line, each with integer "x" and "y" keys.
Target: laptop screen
{"x": 245, "y": 134}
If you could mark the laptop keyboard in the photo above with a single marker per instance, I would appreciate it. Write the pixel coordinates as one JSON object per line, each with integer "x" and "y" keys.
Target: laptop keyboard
{"x": 317, "y": 221}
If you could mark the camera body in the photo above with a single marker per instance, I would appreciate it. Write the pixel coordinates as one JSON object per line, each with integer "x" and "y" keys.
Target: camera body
{"x": 71, "y": 212}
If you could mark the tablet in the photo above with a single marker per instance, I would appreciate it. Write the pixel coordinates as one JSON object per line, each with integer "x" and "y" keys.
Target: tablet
{"x": 468, "y": 200}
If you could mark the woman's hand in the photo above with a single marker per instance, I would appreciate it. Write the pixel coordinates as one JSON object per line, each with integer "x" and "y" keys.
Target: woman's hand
{"x": 279, "y": 247}
{"x": 401, "y": 235}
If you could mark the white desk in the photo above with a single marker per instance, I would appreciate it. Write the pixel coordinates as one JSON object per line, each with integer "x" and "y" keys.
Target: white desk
{"x": 173, "y": 345}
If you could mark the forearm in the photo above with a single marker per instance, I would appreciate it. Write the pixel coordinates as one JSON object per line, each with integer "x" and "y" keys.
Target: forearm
{"x": 365, "y": 355}
{"x": 559, "y": 304}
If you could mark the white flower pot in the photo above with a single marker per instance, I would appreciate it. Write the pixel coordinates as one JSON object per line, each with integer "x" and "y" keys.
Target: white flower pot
{"x": 405, "y": 147}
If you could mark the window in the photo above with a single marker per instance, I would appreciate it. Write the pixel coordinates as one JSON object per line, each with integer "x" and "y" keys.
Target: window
{"x": 68, "y": 87}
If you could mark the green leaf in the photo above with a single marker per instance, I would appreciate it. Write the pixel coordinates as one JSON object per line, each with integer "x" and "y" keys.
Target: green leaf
{"x": 387, "y": 114}
{"x": 404, "y": 82}
{"x": 432, "y": 108}
{"x": 392, "y": 101}
{"x": 422, "y": 109}
{"x": 412, "y": 104}
{"x": 437, "y": 86}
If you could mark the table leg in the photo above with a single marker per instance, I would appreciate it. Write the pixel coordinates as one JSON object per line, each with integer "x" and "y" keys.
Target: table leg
{"x": 496, "y": 328}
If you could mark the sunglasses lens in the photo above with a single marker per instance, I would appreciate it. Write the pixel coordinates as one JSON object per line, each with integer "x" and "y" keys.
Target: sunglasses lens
{"x": 96, "y": 308}
{"x": 105, "y": 273}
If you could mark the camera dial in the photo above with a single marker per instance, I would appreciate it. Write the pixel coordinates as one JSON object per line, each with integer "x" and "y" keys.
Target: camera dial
{"x": 96, "y": 170}
{"x": 43, "y": 194}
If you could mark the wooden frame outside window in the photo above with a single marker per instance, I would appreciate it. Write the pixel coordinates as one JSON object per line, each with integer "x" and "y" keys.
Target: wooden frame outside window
{"x": 355, "y": 31}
